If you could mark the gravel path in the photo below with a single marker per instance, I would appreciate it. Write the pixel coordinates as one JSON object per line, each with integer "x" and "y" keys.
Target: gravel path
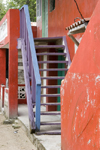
{"x": 13, "y": 139}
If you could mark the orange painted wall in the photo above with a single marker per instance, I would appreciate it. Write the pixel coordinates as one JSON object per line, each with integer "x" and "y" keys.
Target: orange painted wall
{"x": 64, "y": 14}
{"x": 80, "y": 93}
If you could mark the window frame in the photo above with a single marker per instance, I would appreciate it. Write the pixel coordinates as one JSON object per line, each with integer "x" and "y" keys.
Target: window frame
{"x": 38, "y": 9}
{"x": 52, "y": 5}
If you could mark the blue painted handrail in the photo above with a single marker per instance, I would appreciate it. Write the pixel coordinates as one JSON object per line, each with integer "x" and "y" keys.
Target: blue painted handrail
{"x": 27, "y": 35}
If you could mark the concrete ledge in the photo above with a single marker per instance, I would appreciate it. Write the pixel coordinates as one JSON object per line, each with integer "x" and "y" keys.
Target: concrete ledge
{"x": 32, "y": 138}
{"x": 41, "y": 142}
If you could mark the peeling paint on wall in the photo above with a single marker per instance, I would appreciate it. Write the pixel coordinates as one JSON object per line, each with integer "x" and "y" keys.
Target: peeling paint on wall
{"x": 80, "y": 93}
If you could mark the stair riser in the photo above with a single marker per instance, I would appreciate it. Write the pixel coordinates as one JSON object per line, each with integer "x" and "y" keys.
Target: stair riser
{"x": 53, "y": 62}
{"x": 50, "y": 47}
{"x": 49, "y": 133}
{"x": 52, "y": 78}
{"x": 49, "y": 104}
{"x": 54, "y": 69}
{"x": 51, "y": 54}
{"x": 51, "y": 95}
{"x": 50, "y": 87}
{"x": 43, "y": 124}
{"x": 51, "y": 114}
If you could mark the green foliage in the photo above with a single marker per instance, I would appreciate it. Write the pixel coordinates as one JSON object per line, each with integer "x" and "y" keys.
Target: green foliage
{"x": 17, "y": 4}
{"x": 11, "y": 4}
{"x": 2, "y": 10}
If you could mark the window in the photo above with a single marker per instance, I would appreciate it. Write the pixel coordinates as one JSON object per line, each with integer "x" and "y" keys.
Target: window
{"x": 38, "y": 10}
{"x": 52, "y": 5}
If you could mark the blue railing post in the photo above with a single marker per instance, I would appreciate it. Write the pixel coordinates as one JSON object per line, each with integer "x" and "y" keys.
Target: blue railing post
{"x": 38, "y": 93}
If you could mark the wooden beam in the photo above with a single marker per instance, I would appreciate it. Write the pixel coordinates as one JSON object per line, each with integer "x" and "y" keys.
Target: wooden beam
{"x": 74, "y": 40}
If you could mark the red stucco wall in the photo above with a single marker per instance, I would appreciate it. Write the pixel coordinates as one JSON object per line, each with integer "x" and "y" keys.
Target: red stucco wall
{"x": 14, "y": 29}
{"x": 34, "y": 31}
{"x": 80, "y": 93}
{"x": 13, "y": 33}
{"x": 64, "y": 14}
{"x": 39, "y": 27}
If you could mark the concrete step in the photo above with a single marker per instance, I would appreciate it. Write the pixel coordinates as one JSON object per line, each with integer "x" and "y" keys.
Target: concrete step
{"x": 20, "y": 60}
{"x": 20, "y": 68}
{"x": 50, "y": 104}
{"x": 53, "y": 62}
{"x": 21, "y": 82}
{"x": 53, "y": 77}
{"x": 50, "y": 95}
{"x": 19, "y": 52}
{"x": 20, "y": 64}
{"x": 49, "y": 54}
{"x": 20, "y": 71}
{"x": 51, "y": 113}
{"x": 49, "y": 46}
{"x": 54, "y": 69}
{"x": 50, "y": 86}
{"x": 50, "y": 123}
{"x": 20, "y": 78}
{"x": 52, "y": 132}
{"x": 19, "y": 56}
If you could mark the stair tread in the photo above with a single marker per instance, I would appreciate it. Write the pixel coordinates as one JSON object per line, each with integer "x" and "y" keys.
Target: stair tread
{"x": 20, "y": 68}
{"x": 51, "y": 86}
{"x": 48, "y": 38}
{"x": 20, "y": 60}
{"x": 42, "y": 54}
{"x": 51, "y": 123}
{"x": 49, "y": 104}
{"x": 40, "y": 62}
{"x": 19, "y": 53}
{"x": 20, "y": 64}
{"x": 49, "y": 46}
{"x": 53, "y": 77}
{"x": 51, "y": 132}
{"x": 51, "y": 113}
{"x": 54, "y": 69}
{"x": 50, "y": 95}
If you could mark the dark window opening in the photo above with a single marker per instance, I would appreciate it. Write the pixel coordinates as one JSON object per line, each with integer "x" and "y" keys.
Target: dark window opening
{"x": 7, "y": 66}
{"x": 52, "y": 5}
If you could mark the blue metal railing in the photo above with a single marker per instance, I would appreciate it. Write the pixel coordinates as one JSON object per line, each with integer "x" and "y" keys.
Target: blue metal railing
{"x": 33, "y": 69}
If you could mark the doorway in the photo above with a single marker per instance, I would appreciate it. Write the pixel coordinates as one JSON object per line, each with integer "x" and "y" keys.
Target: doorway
{"x": 7, "y": 67}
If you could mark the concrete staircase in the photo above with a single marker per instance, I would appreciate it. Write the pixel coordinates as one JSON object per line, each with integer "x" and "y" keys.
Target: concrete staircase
{"x": 20, "y": 68}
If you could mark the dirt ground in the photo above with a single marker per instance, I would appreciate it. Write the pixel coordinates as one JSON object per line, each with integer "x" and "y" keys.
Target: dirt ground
{"x": 13, "y": 139}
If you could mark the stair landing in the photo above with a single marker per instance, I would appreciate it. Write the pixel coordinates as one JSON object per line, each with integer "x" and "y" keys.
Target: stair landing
{"x": 41, "y": 141}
